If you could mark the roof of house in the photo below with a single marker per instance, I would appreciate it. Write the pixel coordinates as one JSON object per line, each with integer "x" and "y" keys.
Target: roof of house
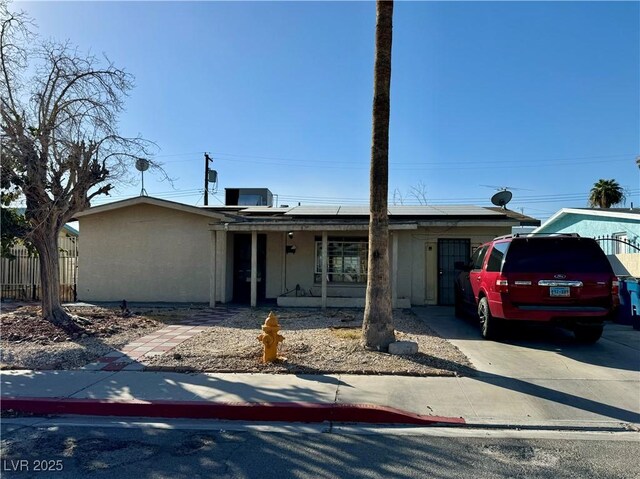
{"x": 327, "y": 214}
{"x": 71, "y": 230}
{"x": 620, "y": 213}
{"x": 148, "y": 200}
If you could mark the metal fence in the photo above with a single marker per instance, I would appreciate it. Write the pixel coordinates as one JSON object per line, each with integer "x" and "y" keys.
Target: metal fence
{"x": 21, "y": 276}
{"x": 618, "y": 244}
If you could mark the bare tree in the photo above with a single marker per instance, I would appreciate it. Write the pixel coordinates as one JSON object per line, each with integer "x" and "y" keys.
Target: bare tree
{"x": 398, "y": 199}
{"x": 377, "y": 327}
{"x": 60, "y": 144}
{"x": 419, "y": 193}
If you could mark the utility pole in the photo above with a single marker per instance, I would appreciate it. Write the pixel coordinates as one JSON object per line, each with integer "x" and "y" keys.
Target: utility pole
{"x": 207, "y": 159}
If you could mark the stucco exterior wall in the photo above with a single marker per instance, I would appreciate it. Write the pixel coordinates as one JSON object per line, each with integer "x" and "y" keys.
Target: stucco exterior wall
{"x": 417, "y": 266}
{"x": 625, "y": 264}
{"x": 144, "y": 253}
{"x": 298, "y": 269}
{"x": 422, "y": 262}
{"x": 148, "y": 252}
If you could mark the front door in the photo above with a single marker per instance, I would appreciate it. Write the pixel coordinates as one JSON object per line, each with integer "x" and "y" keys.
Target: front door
{"x": 242, "y": 267}
{"x": 450, "y": 251}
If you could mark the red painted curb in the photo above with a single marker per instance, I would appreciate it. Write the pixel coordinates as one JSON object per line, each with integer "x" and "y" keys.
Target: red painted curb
{"x": 272, "y": 412}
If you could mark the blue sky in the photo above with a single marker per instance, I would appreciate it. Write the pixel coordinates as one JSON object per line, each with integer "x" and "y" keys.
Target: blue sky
{"x": 541, "y": 97}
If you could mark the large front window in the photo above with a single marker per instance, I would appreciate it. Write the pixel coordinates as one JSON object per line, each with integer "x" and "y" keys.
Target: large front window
{"x": 346, "y": 260}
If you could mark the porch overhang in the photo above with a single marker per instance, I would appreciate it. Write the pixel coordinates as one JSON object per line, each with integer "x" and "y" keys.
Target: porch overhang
{"x": 302, "y": 226}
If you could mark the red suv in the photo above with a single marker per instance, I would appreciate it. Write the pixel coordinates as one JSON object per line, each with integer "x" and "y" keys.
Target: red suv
{"x": 563, "y": 279}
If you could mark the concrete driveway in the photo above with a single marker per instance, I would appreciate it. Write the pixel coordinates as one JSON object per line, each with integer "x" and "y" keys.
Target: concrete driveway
{"x": 571, "y": 381}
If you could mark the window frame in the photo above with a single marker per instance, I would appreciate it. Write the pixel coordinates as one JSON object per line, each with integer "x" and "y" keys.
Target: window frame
{"x": 356, "y": 277}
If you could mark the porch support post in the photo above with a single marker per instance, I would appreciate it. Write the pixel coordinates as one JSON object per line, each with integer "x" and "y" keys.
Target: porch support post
{"x": 394, "y": 269}
{"x": 283, "y": 273}
{"x": 212, "y": 271}
{"x": 221, "y": 255}
{"x": 325, "y": 256}
{"x": 254, "y": 269}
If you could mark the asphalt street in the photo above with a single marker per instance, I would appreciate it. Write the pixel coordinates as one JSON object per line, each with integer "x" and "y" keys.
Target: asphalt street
{"x": 100, "y": 448}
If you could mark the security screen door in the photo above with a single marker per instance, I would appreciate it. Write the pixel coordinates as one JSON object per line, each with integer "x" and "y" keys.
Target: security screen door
{"x": 450, "y": 251}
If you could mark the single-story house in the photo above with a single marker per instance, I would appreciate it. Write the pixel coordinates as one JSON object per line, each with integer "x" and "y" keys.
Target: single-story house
{"x": 149, "y": 249}
{"x": 616, "y": 229}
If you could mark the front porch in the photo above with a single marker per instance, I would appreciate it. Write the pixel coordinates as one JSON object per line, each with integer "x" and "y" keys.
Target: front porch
{"x": 297, "y": 265}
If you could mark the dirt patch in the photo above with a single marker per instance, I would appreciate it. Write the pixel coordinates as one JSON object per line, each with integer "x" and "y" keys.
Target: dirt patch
{"x": 30, "y": 342}
{"x": 27, "y": 325}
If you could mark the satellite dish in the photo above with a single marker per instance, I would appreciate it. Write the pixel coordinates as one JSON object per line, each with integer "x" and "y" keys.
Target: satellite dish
{"x": 142, "y": 164}
{"x": 501, "y": 198}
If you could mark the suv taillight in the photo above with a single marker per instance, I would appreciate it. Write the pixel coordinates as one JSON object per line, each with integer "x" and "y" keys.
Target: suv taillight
{"x": 502, "y": 284}
{"x": 615, "y": 291}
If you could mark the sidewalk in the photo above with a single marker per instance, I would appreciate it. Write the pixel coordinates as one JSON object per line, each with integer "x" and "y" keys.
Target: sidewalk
{"x": 479, "y": 401}
{"x": 541, "y": 385}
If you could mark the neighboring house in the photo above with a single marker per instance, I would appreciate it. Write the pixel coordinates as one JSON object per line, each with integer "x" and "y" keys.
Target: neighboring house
{"x": 616, "y": 229}
{"x": 20, "y": 276}
{"x": 147, "y": 249}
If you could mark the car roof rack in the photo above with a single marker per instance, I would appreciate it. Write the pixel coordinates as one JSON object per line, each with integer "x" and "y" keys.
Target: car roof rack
{"x": 525, "y": 235}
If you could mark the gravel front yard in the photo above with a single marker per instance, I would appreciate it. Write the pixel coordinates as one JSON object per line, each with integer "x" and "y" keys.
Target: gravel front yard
{"x": 316, "y": 342}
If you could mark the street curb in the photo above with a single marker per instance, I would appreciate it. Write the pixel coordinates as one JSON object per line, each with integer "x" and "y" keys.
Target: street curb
{"x": 244, "y": 411}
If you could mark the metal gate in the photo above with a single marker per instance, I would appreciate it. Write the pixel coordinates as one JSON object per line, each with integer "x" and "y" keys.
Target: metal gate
{"x": 450, "y": 251}
{"x": 21, "y": 275}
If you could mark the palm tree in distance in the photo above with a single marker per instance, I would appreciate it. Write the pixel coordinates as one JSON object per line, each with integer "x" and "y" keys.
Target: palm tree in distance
{"x": 605, "y": 194}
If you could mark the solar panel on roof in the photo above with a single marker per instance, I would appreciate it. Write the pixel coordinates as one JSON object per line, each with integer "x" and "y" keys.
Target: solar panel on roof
{"x": 415, "y": 211}
{"x": 305, "y": 210}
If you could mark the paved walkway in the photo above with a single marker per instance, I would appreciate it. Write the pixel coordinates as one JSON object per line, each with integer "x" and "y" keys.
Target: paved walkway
{"x": 480, "y": 401}
{"x": 161, "y": 341}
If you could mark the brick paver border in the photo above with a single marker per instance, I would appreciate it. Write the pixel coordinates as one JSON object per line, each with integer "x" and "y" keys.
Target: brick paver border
{"x": 162, "y": 340}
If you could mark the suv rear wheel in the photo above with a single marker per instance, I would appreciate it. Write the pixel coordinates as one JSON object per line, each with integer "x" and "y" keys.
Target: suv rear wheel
{"x": 588, "y": 334}
{"x": 488, "y": 324}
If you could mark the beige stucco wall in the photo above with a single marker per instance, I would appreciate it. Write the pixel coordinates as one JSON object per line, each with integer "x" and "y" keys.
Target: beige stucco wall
{"x": 144, "y": 253}
{"x": 152, "y": 253}
{"x": 417, "y": 267}
{"x": 299, "y": 268}
{"x": 625, "y": 264}
{"x": 418, "y": 257}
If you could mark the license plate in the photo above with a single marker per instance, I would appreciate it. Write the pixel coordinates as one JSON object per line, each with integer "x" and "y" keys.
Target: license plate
{"x": 559, "y": 292}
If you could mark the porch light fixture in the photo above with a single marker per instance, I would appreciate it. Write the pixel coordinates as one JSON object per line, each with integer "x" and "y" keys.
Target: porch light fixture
{"x": 290, "y": 234}
{"x": 290, "y": 249}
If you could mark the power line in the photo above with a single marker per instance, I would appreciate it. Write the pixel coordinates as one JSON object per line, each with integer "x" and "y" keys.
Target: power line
{"x": 411, "y": 165}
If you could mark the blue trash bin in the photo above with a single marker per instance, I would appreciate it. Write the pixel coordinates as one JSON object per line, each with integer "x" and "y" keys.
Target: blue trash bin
{"x": 623, "y": 315}
{"x": 633, "y": 287}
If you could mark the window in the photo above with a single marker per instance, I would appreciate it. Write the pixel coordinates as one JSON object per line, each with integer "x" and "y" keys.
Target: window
{"x": 346, "y": 260}
{"x": 620, "y": 243}
{"x": 478, "y": 258}
{"x": 558, "y": 255}
{"x": 496, "y": 258}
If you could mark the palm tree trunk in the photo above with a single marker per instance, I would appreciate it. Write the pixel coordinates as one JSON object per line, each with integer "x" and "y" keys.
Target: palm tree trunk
{"x": 377, "y": 327}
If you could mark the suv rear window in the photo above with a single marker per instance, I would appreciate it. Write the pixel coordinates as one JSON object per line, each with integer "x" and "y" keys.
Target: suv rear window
{"x": 564, "y": 255}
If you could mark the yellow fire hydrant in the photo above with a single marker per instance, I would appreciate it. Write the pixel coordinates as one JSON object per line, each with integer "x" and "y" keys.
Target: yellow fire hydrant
{"x": 270, "y": 338}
